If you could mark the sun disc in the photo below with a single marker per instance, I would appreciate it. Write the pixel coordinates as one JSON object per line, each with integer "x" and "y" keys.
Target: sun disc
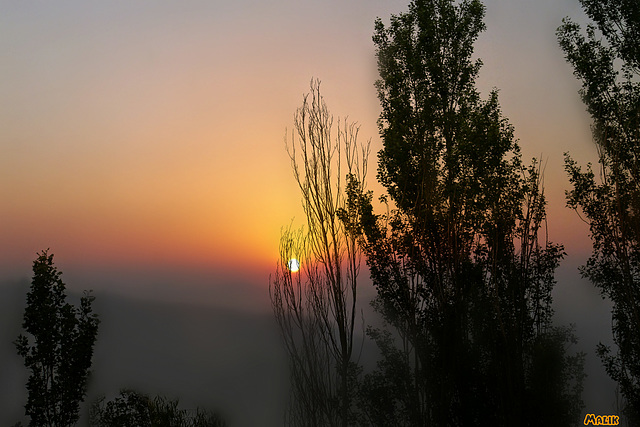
{"x": 293, "y": 265}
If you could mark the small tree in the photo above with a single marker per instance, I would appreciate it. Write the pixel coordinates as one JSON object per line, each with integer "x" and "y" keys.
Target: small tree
{"x": 57, "y": 349}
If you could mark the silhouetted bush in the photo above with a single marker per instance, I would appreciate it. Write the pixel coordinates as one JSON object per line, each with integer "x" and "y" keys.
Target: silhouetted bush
{"x": 132, "y": 408}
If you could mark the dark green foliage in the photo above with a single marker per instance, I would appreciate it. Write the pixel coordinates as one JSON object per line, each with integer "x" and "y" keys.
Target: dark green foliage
{"x": 607, "y": 62}
{"x": 462, "y": 269}
{"x": 131, "y": 408}
{"x": 57, "y": 349}
{"x": 386, "y": 395}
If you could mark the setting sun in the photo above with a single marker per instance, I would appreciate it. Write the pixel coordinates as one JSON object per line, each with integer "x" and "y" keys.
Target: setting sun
{"x": 293, "y": 265}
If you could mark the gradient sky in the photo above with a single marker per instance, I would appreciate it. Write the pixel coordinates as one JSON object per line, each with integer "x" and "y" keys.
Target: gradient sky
{"x": 152, "y": 131}
{"x": 146, "y": 137}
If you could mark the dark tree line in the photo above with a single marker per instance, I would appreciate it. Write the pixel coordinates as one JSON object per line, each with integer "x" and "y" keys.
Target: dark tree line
{"x": 461, "y": 261}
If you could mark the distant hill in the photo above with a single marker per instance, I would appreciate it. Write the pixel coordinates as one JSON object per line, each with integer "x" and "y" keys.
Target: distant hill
{"x": 212, "y": 357}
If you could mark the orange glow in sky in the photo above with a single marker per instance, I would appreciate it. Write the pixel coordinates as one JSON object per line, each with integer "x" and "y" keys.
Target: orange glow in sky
{"x": 154, "y": 132}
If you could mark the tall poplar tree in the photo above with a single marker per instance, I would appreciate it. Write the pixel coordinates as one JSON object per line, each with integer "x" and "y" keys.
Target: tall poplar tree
{"x": 607, "y": 61}
{"x": 462, "y": 266}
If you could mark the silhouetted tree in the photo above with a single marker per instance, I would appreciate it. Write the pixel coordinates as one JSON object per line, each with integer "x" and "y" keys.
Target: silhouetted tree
{"x": 57, "y": 349}
{"x": 607, "y": 62}
{"x": 462, "y": 267}
{"x": 316, "y": 307}
{"x": 131, "y": 408}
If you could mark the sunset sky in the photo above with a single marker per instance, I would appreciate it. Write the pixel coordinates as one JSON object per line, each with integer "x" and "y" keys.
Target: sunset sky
{"x": 146, "y": 138}
{"x": 153, "y": 132}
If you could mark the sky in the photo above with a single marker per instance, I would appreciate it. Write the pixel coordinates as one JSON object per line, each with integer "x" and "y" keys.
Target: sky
{"x": 153, "y": 132}
{"x": 143, "y": 141}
